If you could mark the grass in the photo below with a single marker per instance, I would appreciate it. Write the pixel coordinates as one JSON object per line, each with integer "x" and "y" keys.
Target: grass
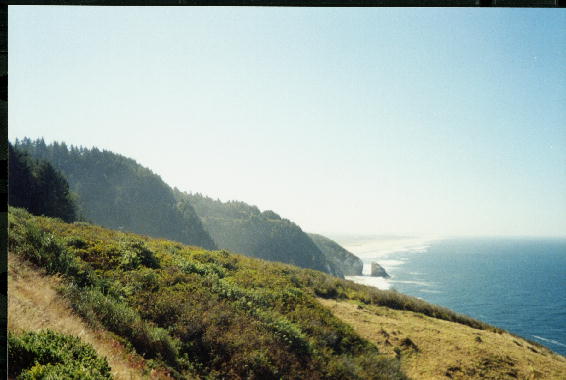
{"x": 430, "y": 348}
{"x": 211, "y": 314}
{"x": 39, "y": 307}
{"x": 197, "y": 313}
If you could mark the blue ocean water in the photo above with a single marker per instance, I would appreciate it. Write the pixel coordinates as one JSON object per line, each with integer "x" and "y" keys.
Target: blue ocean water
{"x": 516, "y": 284}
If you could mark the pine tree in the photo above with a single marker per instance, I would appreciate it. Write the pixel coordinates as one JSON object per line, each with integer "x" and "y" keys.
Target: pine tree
{"x": 37, "y": 186}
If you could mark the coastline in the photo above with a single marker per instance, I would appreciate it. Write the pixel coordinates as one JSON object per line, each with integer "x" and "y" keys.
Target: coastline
{"x": 485, "y": 268}
{"x": 386, "y": 251}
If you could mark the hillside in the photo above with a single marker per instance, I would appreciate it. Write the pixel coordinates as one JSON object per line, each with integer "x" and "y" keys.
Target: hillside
{"x": 430, "y": 348}
{"x": 242, "y": 228}
{"x": 198, "y": 313}
{"x": 344, "y": 261}
{"x": 194, "y": 313}
{"x": 116, "y": 192}
{"x": 39, "y": 307}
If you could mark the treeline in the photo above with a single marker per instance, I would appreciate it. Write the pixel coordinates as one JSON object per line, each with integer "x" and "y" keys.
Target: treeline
{"x": 117, "y": 192}
{"x": 37, "y": 186}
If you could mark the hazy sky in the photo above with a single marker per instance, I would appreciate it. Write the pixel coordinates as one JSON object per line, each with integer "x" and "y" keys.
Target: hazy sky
{"x": 426, "y": 121}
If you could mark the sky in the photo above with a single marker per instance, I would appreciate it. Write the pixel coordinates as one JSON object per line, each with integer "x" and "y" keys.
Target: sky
{"x": 343, "y": 120}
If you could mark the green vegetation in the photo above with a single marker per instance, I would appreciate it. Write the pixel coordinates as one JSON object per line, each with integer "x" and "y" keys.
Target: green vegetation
{"x": 210, "y": 314}
{"x": 242, "y": 228}
{"x": 49, "y": 355}
{"x": 38, "y": 187}
{"x": 117, "y": 192}
{"x": 344, "y": 262}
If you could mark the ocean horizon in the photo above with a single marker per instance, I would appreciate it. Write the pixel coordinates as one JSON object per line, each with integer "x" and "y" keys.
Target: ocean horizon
{"x": 517, "y": 284}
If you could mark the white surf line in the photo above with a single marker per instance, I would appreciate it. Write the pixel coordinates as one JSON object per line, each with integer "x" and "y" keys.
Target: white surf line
{"x": 386, "y": 253}
{"x": 550, "y": 341}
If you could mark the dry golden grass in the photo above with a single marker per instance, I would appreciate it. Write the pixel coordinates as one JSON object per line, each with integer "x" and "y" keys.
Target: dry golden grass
{"x": 34, "y": 304}
{"x": 435, "y": 349}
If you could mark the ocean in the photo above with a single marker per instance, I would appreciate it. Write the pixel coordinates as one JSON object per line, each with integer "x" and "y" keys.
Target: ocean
{"x": 516, "y": 284}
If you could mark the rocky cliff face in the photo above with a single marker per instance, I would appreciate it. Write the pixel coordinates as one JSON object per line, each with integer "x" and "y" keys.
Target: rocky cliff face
{"x": 343, "y": 262}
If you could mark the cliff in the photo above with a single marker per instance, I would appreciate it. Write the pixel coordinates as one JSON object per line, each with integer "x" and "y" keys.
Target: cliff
{"x": 243, "y": 228}
{"x": 344, "y": 262}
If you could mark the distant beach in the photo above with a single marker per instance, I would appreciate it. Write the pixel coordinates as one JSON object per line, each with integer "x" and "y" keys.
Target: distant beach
{"x": 387, "y": 251}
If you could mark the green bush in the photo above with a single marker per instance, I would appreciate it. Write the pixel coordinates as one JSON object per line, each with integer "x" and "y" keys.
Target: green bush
{"x": 135, "y": 253}
{"x": 76, "y": 242}
{"x": 209, "y": 269}
{"x": 103, "y": 310}
{"x": 41, "y": 248}
{"x": 210, "y": 314}
{"x": 49, "y": 355}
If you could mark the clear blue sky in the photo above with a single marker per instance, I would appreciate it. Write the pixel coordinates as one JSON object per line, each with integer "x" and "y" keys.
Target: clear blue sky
{"x": 422, "y": 121}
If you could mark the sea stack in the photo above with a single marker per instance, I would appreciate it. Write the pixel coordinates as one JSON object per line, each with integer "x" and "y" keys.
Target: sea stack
{"x": 378, "y": 271}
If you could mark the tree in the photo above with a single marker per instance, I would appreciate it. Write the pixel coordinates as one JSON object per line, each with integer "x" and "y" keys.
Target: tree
{"x": 38, "y": 187}
{"x": 20, "y": 178}
{"x": 52, "y": 196}
{"x": 116, "y": 192}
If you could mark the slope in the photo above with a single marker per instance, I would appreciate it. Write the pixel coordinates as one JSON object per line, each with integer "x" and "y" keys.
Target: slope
{"x": 344, "y": 262}
{"x": 208, "y": 314}
{"x": 242, "y": 228}
{"x": 117, "y": 192}
{"x": 430, "y": 348}
{"x": 198, "y": 313}
{"x": 38, "y": 307}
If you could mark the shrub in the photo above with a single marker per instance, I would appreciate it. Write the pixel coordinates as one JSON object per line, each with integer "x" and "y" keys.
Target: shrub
{"x": 288, "y": 332}
{"x": 49, "y": 355}
{"x": 209, "y": 269}
{"x": 155, "y": 342}
{"x": 408, "y": 343}
{"x": 136, "y": 253}
{"x": 102, "y": 310}
{"x": 208, "y": 313}
{"x": 76, "y": 242}
{"x": 42, "y": 248}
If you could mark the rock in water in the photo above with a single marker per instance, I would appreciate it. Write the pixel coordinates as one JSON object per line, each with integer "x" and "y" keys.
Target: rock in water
{"x": 378, "y": 271}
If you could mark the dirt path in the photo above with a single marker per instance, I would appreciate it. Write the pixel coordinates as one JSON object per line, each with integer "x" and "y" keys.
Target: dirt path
{"x": 33, "y": 304}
